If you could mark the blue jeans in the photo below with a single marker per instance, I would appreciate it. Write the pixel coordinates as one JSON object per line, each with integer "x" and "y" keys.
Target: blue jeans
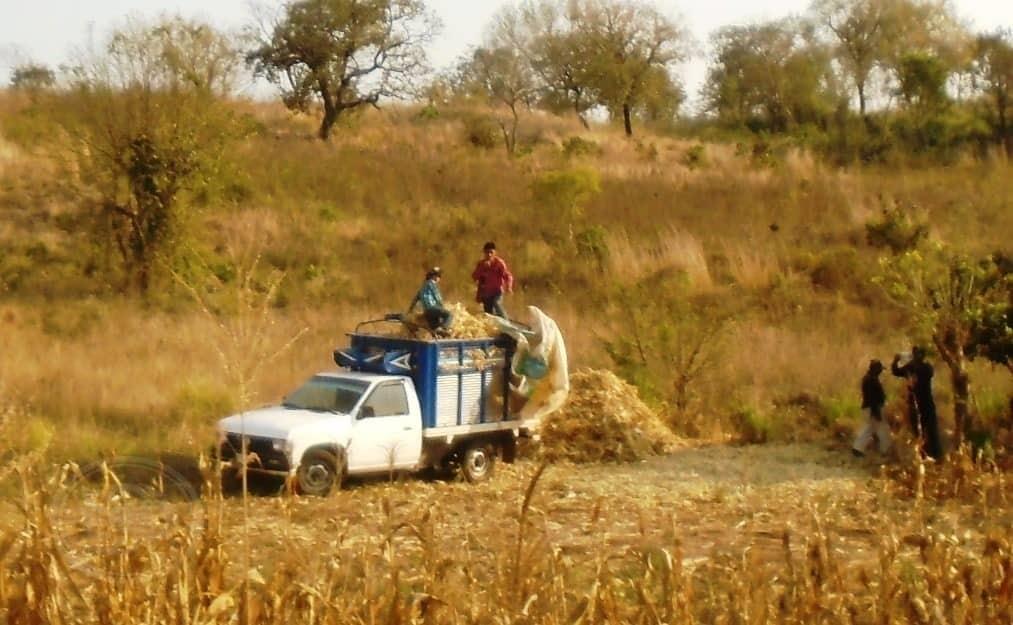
{"x": 493, "y": 305}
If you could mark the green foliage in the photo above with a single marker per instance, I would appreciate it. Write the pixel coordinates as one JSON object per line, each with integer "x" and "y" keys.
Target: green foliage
{"x": 947, "y": 297}
{"x": 769, "y": 76}
{"x": 593, "y": 243}
{"x": 144, "y": 136}
{"x": 481, "y": 131}
{"x": 566, "y": 191}
{"x": 667, "y": 347}
{"x": 695, "y": 157}
{"x": 32, "y": 77}
{"x": 201, "y": 401}
{"x": 897, "y": 230}
{"x": 753, "y": 426}
{"x": 575, "y": 147}
{"x": 836, "y": 411}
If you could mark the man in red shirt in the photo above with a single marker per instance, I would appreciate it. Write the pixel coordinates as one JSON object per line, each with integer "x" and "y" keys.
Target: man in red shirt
{"x": 493, "y": 279}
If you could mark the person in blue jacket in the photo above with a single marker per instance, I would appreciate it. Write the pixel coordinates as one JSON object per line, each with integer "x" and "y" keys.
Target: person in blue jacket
{"x": 437, "y": 317}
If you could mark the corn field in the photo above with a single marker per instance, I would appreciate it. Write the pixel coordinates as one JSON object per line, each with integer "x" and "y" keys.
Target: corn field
{"x": 124, "y": 561}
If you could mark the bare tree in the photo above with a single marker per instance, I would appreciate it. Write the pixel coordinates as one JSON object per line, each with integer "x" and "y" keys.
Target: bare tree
{"x": 501, "y": 76}
{"x": 860, "y": 28}
{"x": 344, "y": 53}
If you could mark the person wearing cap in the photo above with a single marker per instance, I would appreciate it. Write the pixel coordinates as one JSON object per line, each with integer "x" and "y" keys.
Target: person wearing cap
{"x": 873, "y": 399}
{"x": 921, "y": 405}
{"x": 493, "y": 280}
{"x": 437, "y": 317}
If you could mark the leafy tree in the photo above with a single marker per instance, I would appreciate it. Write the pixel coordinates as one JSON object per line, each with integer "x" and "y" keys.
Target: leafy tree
{"x": 922, "y": 82}
{"x": 144, "y": 131}
{"x": 344, "y": 53}
{"x": 770, "y": 71}
{"x": 992, "y": 72}
{"x": 633, "y": 48}
{"x": 32, "y": 77}
{"x": 560, "y": 56}
{"x": 950, "y": 300}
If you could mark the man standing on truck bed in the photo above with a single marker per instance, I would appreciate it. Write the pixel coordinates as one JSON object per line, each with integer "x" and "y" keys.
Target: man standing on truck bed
{"x": 429, "y": 296}
{"x": 493, "y": 280}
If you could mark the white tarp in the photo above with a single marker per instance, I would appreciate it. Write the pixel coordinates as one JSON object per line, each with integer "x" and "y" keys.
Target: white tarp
{"x": 540, "y": 377}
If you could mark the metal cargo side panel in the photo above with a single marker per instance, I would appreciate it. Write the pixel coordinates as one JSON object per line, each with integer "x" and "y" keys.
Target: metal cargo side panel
{"x": 459, "y": 399}
{"x": 446, "y": 400}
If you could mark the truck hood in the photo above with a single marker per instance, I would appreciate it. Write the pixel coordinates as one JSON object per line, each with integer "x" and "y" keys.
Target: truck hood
{"x": 278, "y": 421}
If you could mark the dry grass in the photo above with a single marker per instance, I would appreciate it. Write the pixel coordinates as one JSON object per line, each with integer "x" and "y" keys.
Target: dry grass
{"x": 774, "y": 535}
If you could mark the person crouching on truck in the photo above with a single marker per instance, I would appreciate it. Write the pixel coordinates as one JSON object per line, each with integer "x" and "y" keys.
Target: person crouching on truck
{"x": 493, "y": 280}
{"x": 437, "y": 317}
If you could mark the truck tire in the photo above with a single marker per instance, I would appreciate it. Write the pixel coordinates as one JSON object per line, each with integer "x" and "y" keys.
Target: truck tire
{"x": 319, "y": 472}
{"x": 478, "y": 462}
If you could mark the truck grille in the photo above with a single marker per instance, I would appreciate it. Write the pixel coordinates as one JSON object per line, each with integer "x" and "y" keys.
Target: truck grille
{"x": 262, "y": 447}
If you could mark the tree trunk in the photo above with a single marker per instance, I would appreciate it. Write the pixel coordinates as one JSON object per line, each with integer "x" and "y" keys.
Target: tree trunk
{"x": 627, "y": 119}
{"x": 952, "y": 352}
{"x": 961, "y": 416}
{"x": 861, "y": 99}
{"x": 330, "y": 116}
{"x": 580, "y": 115}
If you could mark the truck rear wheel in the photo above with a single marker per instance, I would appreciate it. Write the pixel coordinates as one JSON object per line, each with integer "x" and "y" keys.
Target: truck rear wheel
{"x": 477, "y": 462}
{"x": 319, "y": 472}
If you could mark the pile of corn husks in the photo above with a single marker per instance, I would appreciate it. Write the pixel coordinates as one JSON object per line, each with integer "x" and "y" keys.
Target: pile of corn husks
{"x": 604, "y": 420}
{"x": 463, "y": 325}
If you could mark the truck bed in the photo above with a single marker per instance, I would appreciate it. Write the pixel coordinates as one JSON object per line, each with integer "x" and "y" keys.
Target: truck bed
{"x": 463, "y": 384}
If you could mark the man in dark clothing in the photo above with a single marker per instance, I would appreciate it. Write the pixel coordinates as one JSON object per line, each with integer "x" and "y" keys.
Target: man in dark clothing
{"x": 921, "y": 405}
{"x": 873, "y": 398}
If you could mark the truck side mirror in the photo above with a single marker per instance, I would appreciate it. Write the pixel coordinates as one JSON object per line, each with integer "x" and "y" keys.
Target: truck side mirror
{"x": 367, "y": 412}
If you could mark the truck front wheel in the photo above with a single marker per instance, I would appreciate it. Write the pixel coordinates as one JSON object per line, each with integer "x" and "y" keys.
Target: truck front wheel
{"x": 477, "y": 462}
{"x": 319, "y": 472}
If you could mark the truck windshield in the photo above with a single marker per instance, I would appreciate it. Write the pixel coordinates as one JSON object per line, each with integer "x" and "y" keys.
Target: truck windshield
{"x": 326, "y": 394}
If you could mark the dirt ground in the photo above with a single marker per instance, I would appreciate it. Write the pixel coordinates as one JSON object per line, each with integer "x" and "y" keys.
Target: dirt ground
{"x": 715, "y": 501}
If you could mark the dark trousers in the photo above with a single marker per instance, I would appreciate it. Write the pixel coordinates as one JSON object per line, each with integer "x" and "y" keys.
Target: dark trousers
{"x": 493, "y": 305}
{"x": 925, "y": 424}
{"x": 438, "y": 318}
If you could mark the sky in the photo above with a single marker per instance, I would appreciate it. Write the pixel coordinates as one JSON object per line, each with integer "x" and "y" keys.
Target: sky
{"x": 47, "y": 31}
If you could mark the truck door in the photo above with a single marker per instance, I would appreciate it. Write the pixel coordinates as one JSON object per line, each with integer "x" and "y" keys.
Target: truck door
{"x": 387, "y": 433}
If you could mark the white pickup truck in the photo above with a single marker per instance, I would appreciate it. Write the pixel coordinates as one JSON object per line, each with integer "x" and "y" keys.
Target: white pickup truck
{"x": 398, "y": 405}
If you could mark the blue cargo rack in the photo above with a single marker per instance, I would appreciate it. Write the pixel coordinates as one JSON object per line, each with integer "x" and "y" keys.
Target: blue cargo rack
{"x": 453, "y": 377}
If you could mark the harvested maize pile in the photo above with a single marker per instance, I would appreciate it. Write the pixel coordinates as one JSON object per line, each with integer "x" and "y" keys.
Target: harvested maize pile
{"x": 464, "y": 325}
{"x": 604, "y": 420}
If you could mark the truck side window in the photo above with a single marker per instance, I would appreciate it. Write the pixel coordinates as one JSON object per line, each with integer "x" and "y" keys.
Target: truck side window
{"x": 387, "y": 400}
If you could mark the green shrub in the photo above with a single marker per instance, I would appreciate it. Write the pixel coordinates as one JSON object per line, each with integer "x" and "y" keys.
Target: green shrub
{"x": 897, "y": 230}
{"x": 753, "y": 426}
{"x": 482, "y": 132}
{"x": 202, "y": 401}
{"x": 695, "y": 157}
{"x": 592, "y": 243}
{"x": 574, "y": 147}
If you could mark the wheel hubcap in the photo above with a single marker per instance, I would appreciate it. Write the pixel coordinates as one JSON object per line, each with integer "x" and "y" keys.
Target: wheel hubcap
{"x": 317, "y": 475}
{"x": 479, "y": 463}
